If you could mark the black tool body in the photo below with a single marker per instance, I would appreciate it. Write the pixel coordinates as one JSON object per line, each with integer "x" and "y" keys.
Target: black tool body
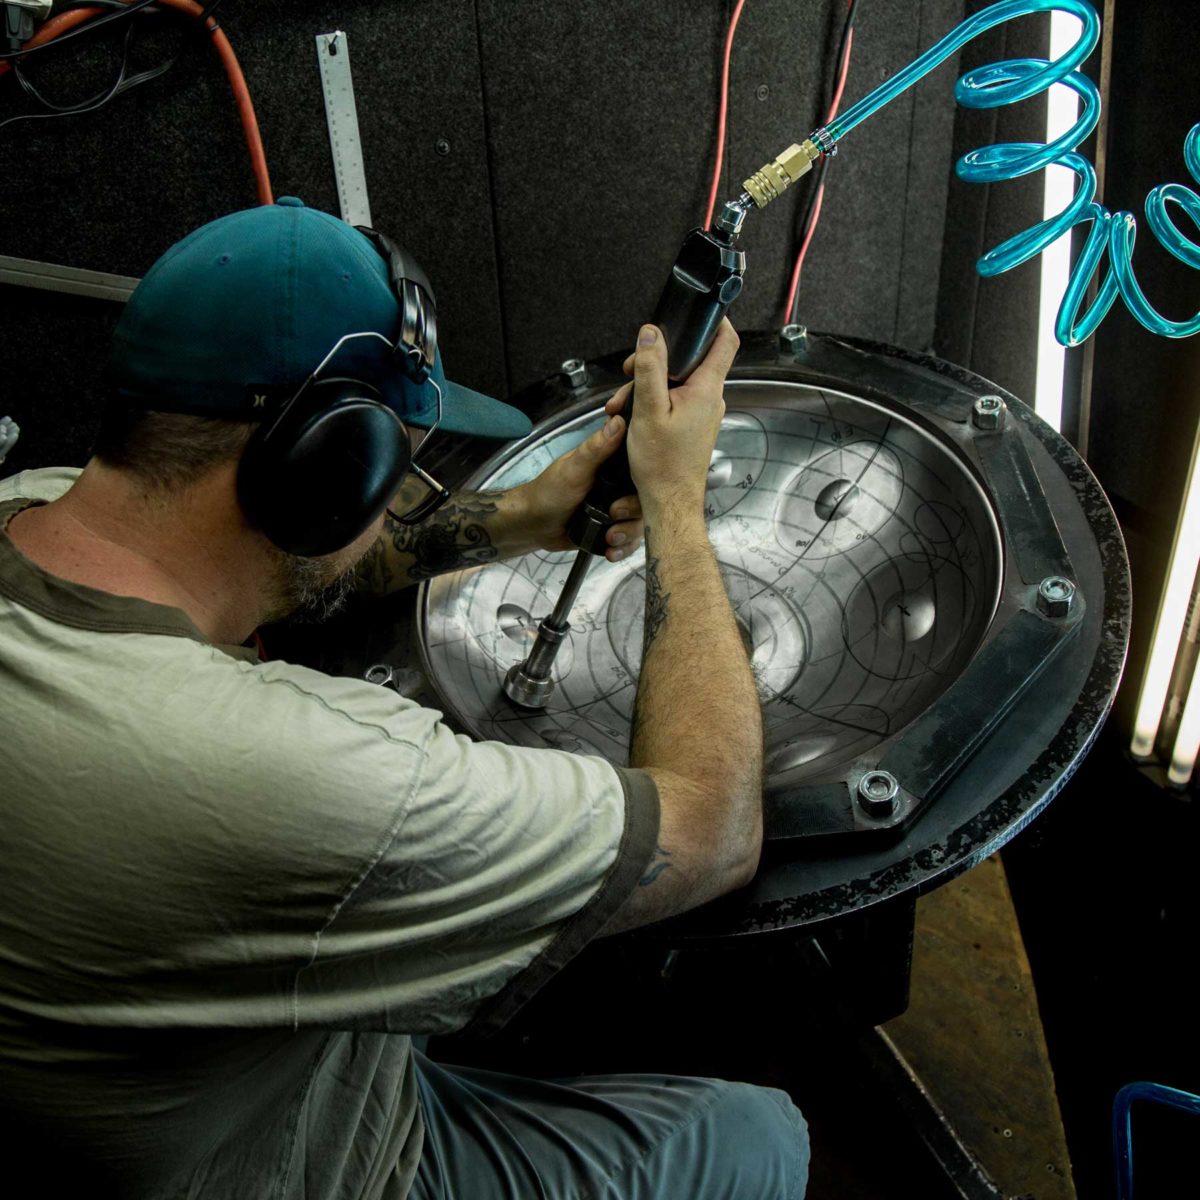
{"x": 705, "y": 280}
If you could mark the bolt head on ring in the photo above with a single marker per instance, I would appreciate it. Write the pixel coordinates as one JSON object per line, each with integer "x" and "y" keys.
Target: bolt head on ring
{"x": 1055, "y": 595}
{"x": 382, "y": 674}
{"x": 793, "y": 339}
{"x": 574, "y": 370}
{"x": 879, "y": 793}
{"x": 988, "y": 412}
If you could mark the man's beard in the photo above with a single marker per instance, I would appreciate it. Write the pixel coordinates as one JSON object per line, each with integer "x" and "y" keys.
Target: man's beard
{"x": 310, "y": 590}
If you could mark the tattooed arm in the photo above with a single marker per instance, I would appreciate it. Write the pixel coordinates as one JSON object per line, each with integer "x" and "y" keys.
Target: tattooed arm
{"x": 697, "y": 726}
{"x": 477, "y": 527}
{"x": 480, "y": 527}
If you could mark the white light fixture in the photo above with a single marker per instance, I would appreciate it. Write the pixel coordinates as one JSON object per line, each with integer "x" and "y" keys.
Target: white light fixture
{"x": 1187, "y": 739}
{"x": 1169, "y": 626}
{"x": 1062, "y": 111}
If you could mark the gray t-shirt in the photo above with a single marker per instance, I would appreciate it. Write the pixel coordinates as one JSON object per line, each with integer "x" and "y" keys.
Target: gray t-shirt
{"x": 231, "y": 890}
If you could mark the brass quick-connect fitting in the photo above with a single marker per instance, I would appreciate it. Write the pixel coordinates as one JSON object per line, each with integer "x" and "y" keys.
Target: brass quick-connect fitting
{"x": 769, "y": 181}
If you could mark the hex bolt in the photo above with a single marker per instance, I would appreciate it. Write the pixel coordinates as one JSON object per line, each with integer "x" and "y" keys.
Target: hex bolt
{"x": 793, "y": 338}
{"x": 1055, "y": 595}
{"x": 879, "y": 793}
{"x": 380, "y": 673}
{"x": 406, "y": 681}
{"x": 575, "y": 370}
{"x": 988, "y": 413}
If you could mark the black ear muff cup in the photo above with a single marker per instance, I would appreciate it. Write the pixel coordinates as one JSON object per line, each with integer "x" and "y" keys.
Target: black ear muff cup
{"x": 323, "y": 471}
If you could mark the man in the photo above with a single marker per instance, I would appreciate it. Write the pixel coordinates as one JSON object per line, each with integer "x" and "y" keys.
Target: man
{"x": 233, "y": 890}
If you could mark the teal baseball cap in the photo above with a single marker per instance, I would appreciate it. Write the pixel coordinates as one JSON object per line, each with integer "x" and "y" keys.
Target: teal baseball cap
{"x": 234, "y": 318}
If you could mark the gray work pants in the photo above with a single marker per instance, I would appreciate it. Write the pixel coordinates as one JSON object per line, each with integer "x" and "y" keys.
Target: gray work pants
{"x": 491, "y": 1136}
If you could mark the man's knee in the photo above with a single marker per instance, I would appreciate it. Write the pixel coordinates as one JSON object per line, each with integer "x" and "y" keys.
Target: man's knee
{"x": 764, "y": 1138}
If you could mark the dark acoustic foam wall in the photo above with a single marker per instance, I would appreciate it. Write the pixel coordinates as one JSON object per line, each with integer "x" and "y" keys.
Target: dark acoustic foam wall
{"x": 580, "y": 145}
{"x": 599, "y": 221}
{"x": 990, "y": 325}
{"x": 873, "y": 268}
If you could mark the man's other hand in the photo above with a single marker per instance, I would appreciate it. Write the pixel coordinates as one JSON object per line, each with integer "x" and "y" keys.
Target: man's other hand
{"x": 548, "y": 502}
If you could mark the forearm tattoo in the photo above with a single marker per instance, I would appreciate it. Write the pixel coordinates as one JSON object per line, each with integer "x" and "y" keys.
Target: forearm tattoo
{"x": 656, "y": 615}
{"x": 656, "y": 598}
{"x": 456, "y": 536}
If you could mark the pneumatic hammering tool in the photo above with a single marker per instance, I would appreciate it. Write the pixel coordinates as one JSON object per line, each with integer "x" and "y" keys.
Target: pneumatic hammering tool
{"x": 705, "y": 279}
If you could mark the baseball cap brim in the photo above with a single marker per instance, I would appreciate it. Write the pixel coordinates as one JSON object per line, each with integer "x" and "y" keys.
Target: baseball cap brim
{"x": 463, "y": 409}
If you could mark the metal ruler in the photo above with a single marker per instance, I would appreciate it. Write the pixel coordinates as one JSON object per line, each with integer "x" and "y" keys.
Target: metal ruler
{"x": 333, "y": 57}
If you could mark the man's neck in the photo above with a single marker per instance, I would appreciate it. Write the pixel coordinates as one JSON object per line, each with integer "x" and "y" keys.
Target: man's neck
{"x": 191, "y": 550}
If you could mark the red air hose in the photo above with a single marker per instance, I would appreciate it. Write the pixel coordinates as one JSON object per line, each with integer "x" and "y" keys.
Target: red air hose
{"x": 59, "y": 25}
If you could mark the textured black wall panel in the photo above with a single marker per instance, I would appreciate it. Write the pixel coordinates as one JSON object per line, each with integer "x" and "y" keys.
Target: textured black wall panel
{"x": 581, "y": 145}
{"x": 789, "y": 50}
{"x": 927, "y": 185}
{"x": 614, "y": 151}
{"x": 112, "y": 190}
{"x": 866, "y": 274}
{"x": 990, "y": 325}
{"x": 600, "y": 118}
{"x": 50, "y": 387}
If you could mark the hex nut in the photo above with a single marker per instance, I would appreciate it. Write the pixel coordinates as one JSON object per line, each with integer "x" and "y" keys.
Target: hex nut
{"x": 879, "y": 793}
{"x": 793, "y": 338}
{"x": 988, "y": 412}
{"x": 380, "y": 673}
{"x": 406, "y": 681}
{"x": 1055, "y": 595}
{"x": 575, "y": 372}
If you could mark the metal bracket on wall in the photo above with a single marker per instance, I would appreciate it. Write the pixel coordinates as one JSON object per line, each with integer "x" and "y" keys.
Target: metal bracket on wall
{"x": 27, "y": 272}
{"x": 341, "y": 115}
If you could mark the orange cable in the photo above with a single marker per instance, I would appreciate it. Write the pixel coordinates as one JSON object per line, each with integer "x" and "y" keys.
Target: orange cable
{"x": 794, "y": 284}
{"x": 716, "y": 179}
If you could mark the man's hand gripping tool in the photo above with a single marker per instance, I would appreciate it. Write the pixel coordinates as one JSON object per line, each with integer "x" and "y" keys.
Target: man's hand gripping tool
{"x": 704, "y": 281}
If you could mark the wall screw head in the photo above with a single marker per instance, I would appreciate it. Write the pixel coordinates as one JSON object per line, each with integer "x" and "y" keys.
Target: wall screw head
{"x": 879, "y": 793}
{"x": 793, "y": 338}
{"x": 575, "y": 371}
{"x": 442, "y": 146}
{"x": 762, "y": 91}
{"x": 1055, "y": 595}
{"x": 987, "y": 412}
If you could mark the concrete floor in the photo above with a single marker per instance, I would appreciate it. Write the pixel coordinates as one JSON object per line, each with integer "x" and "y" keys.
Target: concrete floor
{"x": 973, "y": 1034}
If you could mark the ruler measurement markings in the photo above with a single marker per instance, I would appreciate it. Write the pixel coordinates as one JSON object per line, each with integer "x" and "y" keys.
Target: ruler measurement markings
{"x": 341, "y": 116}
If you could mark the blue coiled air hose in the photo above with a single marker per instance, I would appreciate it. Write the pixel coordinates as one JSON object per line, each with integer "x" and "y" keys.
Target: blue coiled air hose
{"x": 1018, "y": 79}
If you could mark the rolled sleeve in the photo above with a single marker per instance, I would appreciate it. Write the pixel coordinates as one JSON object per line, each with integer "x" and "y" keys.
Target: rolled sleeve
{"x": 633, "y": 856}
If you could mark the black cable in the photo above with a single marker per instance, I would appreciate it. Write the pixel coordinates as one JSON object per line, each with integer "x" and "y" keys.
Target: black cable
{"x": 59, "y": 110}
{"x": 841, "y": 53}
{"x": 126, "y": 10}
{"x": 30, "y": 90}
{"x": 801, "y": 227}
{"x": 123, "y": 82}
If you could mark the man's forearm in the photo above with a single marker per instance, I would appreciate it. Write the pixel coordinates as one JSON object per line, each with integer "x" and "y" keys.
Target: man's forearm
{"x": 477, "y": 527}
{"x": 697, "y": 711}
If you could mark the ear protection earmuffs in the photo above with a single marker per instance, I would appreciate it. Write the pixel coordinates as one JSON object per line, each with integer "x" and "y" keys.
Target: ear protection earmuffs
{"x": 318, "y": 473}
{"x": 321, "y": 472}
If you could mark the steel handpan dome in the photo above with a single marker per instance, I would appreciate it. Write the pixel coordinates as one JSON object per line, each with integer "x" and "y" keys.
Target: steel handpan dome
{"x": 883, "y": 528}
